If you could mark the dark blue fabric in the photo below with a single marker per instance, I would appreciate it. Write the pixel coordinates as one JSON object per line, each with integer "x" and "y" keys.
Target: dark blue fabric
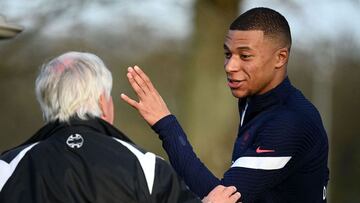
{"x": 282, "y": 120}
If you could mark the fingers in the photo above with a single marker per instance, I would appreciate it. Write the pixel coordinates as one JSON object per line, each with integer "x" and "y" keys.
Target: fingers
{"x": 139, "y": 79}
{"x": 130, "y": 101}
{"x": 218, "y": 188}
{"x": 144, "y": 77}
{"x": 228, "y": 191}
{"x": 222, "y": 194}
{"x": 150, "y": 104}
{"x": 138, "y": 90}
{"x": 235, "y": 197}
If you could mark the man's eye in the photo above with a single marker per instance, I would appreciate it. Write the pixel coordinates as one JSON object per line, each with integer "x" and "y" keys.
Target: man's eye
{"x": 245, "y": 56}
{"x": 227, "y": 55}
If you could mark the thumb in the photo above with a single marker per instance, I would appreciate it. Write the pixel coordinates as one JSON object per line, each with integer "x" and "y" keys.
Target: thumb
{"x": 130, "y": 101}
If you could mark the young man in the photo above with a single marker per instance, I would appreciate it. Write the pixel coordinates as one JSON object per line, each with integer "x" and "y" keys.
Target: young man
{"x": 281, "y": 152}
{"x": 79, "y": 156}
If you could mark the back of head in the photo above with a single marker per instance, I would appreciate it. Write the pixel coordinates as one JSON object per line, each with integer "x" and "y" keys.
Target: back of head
{"x": 70, "y": 86}
{"x": 271, "y": 22}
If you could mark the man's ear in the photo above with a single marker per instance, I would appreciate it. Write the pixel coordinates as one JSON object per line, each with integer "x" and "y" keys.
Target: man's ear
{"x": 102, "y": 105}
{"x": 282, "y": 57}
{"x": 107, "y": 108}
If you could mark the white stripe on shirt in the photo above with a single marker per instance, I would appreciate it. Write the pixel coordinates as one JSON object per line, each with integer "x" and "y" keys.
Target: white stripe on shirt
{"x": 147, "y": 162}
{"x": 6, "y": 170}
{"x": 263, "y": 163}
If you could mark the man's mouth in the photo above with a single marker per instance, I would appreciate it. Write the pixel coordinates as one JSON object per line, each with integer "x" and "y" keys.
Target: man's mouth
{"x": 233, "y": 83}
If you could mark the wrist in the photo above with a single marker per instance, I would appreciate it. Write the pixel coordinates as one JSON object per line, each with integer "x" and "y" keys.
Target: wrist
{"x": 162, "y": 123}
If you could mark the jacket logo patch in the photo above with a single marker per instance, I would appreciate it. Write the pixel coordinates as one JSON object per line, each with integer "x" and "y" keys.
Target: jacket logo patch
{"x": 258, "y": 150}
{"x": 75, "y": 141}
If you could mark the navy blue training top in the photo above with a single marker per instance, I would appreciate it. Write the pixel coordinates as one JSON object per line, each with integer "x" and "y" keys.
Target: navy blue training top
{"x": 280, "y": 153}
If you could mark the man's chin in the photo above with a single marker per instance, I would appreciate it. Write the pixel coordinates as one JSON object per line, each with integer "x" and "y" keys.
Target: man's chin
{"x": 239, "y": 94}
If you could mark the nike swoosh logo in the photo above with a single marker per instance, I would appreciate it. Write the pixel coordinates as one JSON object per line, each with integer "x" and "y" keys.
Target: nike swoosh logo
{"x": 258, "y": 150}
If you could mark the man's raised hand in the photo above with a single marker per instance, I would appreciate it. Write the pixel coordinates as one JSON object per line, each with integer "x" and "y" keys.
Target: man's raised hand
{"x": 151, "y": 106}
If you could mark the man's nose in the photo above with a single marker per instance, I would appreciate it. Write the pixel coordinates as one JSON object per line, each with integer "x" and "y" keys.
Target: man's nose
{"x": 232, "y": 64}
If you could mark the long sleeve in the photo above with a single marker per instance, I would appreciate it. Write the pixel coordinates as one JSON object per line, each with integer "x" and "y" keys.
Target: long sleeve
{"x": 182, "y": 157}
{"x": 271, "y": 158}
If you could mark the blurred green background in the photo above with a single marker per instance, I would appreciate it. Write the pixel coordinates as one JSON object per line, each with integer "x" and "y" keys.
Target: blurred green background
{"x": 179, "y": 44}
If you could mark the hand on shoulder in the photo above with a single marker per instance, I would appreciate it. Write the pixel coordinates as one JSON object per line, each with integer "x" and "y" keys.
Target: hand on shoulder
{"x": 222, "y": 194}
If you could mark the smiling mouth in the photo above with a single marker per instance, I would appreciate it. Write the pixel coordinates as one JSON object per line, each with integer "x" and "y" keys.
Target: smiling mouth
{"x": 233, "y": 84}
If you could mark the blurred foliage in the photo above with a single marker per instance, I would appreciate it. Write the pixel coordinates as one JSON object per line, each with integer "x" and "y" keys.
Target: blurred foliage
{"x": 189, "y": 75}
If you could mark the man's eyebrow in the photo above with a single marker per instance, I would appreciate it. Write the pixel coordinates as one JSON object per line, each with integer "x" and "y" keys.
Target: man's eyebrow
{"x": 238, "y": 48}
{"x": 244, "y": 48}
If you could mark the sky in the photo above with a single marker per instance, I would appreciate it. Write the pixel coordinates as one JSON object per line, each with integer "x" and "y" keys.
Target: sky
{"x": 310, "y": 21}
{"x": 171, "y": 18}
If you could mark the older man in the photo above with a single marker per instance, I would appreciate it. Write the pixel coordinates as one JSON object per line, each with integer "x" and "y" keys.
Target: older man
{"x": 79, "y": 156}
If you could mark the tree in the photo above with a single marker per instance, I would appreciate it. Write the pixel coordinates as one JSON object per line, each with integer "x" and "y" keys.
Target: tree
{"x": 206, "y": 102}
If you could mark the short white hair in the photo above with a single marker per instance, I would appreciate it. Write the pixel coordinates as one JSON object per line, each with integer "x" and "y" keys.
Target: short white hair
{"x": 70, "y": 85}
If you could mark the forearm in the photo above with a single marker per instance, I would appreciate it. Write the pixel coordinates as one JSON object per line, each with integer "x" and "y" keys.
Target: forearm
{"x": 182, "y": 157}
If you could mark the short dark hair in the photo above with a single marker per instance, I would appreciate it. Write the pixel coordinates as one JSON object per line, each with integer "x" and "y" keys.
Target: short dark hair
{"x": 271, "y": 22}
